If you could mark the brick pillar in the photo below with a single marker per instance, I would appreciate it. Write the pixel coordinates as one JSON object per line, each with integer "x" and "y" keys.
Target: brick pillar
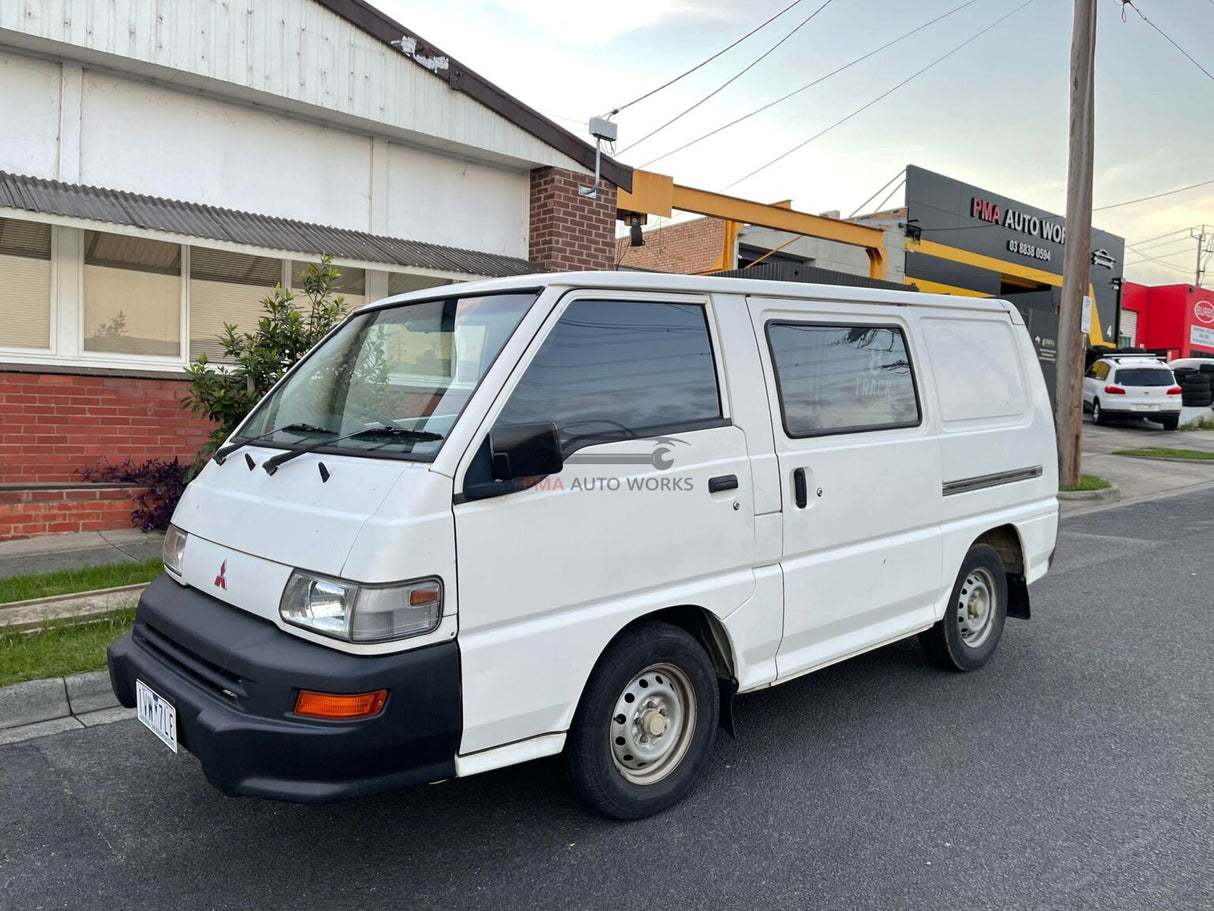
{"x": 571, "y": 232}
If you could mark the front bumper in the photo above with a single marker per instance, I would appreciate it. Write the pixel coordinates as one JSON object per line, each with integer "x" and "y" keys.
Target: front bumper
{"x": 233, "y": 679}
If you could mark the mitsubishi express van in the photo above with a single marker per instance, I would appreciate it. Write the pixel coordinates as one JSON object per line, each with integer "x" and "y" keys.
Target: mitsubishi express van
{"x": 577, "y": 514}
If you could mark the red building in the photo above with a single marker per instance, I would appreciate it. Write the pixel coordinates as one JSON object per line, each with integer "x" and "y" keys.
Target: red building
{"x": 1179, "y": 318}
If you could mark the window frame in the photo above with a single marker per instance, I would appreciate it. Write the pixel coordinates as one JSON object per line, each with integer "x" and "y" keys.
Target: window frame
{"x": 611, "y": 295}
{"x": 852, "y": 429}
{"x": 144, "y": 361}
{"x": 15, "y": 353}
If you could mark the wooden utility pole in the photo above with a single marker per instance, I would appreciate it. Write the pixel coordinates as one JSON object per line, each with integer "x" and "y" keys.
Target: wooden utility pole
{"x": 1076, "y": 271}
{"x": 1202, "y": 252}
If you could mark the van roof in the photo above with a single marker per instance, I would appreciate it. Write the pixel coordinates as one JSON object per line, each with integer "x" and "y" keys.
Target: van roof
{"x": 669, "y": 283}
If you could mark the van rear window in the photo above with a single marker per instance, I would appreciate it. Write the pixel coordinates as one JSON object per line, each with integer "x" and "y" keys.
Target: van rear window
{"x": 1145, "y": 376}
{"x": 841, "y": 379}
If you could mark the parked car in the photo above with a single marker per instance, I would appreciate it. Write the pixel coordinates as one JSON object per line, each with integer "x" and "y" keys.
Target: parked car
{"x": 578, "y": 513}
{"x": 1132, "y": 386}
{"x": 1190, "y": 363}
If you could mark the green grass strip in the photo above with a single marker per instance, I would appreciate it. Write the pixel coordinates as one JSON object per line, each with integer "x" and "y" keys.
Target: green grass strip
{"x": 74, "y": 581}
{"x": 1163, "y": 452}
{"x": 60, "y": 649}
{"x": 1087, "y": 482}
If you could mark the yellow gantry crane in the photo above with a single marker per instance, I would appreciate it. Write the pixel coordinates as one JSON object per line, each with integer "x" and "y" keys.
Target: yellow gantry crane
{"x": 658, "y": 194}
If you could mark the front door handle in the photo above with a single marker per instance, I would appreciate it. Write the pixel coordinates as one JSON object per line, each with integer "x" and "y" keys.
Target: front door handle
{"x": 800, "y": 490}
{"x": 724, "y": 482}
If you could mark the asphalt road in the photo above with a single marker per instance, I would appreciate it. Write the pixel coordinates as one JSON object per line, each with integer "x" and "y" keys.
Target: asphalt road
{"x": 1074, "y": 771}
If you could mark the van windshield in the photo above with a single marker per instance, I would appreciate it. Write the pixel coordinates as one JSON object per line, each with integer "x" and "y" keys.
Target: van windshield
{"x": 390, "y": 382}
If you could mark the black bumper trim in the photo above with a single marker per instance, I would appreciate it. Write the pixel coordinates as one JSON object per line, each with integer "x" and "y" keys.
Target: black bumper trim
{"x": 233, "y": 679}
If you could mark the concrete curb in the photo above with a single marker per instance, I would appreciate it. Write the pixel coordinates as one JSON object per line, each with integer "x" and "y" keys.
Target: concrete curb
{"x": 33, "y": 613}
{"x": 1110, "y": 493}
{"x": 41, "y": 707}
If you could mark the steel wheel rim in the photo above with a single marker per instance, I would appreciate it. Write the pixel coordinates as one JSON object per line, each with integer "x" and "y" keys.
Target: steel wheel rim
{"x": 977, "y": 604}
{"x": 653, "y": 723}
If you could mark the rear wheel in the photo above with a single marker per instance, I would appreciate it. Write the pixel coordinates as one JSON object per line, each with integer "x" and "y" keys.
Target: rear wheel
{"x": 967, "y": 636}
{"x": 1098, "y": 415}
{"x": 1170, "y": 423}
{"x": 646, "y": 723}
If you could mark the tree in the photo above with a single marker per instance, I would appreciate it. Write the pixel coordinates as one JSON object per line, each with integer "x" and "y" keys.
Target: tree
{"x": 257, "y": 360}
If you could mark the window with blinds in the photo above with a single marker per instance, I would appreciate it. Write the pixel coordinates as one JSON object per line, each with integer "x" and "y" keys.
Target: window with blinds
{"x": 25, "y": 284}
{"x": 350, "y": 284}
{"x": 226, "y": 288}
{"x": 403, "y": 282}
{"x": 132, "y": 295}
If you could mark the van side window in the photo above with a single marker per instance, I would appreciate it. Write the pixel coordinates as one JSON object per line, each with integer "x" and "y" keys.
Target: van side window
{"x": 617, "y": 369}
{"x": 842, "y": 379}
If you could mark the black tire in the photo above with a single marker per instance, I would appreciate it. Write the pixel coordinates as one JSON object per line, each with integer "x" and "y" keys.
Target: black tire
{"x": 1170, "y": 423}
{"x": 1097, "y": 414}
{"x": 948, "y": 643}
{"x": 641, "y": 660}
{"x": 1196, "y": 381}
{"x": 1196, "y": 399}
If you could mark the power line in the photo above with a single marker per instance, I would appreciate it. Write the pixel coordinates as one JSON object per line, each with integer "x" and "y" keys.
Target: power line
{"x": 1159, "y": 262}
{"x": 738, "y": 75}
{"x": 1166, "y": 36}
{"x": 1130, "y": 202}
{"x": 879, "y": 191}
{"x": 891, "y": 195}
{"x": 1140, "y": 243}
{"x": 707, "y": 61}
{"x": 883, "y": 95}
{"x": 810, "y": 85}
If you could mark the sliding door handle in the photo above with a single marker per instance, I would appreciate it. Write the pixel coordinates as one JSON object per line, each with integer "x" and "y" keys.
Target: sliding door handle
{"x": 724, "y": 482}
{"x": 800, "y": 491}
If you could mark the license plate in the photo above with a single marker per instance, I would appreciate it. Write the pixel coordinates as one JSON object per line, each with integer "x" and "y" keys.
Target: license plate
{"x": 1143, "y": 407}
{"x": 157, "y": 715}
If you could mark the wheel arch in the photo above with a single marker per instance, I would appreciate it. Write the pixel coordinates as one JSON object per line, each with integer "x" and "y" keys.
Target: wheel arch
{"x": 1005, "y": 540}
{"x": 707, "y": 629}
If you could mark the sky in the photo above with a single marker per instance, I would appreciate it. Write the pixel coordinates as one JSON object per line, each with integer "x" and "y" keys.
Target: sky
{"x": 994, "y": 113}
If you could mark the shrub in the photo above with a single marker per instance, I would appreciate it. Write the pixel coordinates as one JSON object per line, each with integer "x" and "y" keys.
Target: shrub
{"x": 162, "y": 484}
{"x": 285, "y": 332}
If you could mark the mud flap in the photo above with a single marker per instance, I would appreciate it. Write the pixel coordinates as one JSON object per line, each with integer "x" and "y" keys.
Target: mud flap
{"x": 1017, "y": 597}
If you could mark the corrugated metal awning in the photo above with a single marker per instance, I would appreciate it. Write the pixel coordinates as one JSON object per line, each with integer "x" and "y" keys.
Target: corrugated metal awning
{"x": 189, "y": 219}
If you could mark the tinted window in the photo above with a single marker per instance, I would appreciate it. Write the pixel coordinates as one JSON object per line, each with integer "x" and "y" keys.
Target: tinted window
{"x": 842, "y": 378}
{"x": 617, "y": 369}
{"x": 1145, "y": 376}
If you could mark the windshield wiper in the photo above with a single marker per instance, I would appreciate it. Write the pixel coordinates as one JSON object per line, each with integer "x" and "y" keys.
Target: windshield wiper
{"x": 301, "y": 429}
{"x": 418, "y": 436}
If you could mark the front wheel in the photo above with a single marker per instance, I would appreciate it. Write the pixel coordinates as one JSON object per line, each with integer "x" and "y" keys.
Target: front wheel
{"x": 966, "y": 637}
{"x": 646, "y": 723}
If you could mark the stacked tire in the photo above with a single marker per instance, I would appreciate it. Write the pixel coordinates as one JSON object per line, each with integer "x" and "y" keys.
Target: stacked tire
{"x": 1195, "y": 389}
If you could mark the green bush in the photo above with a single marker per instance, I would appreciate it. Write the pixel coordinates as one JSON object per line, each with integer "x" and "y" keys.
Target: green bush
{"x": 257, "y": 360}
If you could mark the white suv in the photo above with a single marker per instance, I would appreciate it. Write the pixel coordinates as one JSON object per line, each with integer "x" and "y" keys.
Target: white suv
{"x": 1132, "y": 386}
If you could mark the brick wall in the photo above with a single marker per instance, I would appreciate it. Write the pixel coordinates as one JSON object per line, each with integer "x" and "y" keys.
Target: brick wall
{"x": 52, "y": 425}
{"x": 569, "y": 231}
{"x": 29, "y": 513}
{"x": 687, "y": 248}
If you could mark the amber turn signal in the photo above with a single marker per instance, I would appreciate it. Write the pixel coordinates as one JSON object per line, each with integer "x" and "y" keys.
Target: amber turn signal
{"x": 340, "y": 706}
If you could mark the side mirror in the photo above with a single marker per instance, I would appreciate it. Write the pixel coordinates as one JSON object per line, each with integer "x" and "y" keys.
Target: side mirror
{"x": 525, "y": 451}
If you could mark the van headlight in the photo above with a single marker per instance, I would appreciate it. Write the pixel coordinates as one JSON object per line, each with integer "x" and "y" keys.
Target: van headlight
{"x": 174, "y": 549}
{"x": 361, "y": 613}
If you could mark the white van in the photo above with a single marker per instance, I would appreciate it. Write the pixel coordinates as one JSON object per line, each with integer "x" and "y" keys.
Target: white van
{"x": 578, "y": 513}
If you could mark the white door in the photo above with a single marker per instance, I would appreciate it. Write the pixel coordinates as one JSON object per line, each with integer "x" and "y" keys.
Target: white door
{"x": 652, "y": 509}
{"x": 860, "y": 476}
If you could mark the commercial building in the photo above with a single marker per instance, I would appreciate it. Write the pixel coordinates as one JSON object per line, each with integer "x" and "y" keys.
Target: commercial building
{"x": 164, "y": 165}
{"x": 1175, "y": 318}
{"x": 963, "y": 239}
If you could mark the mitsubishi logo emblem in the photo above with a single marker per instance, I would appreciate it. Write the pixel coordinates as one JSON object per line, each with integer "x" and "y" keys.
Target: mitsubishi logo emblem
{"x": 220, "y": 581}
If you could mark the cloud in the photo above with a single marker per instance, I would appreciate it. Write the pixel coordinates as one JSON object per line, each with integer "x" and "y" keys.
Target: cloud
{"x": 579, "y": 22}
